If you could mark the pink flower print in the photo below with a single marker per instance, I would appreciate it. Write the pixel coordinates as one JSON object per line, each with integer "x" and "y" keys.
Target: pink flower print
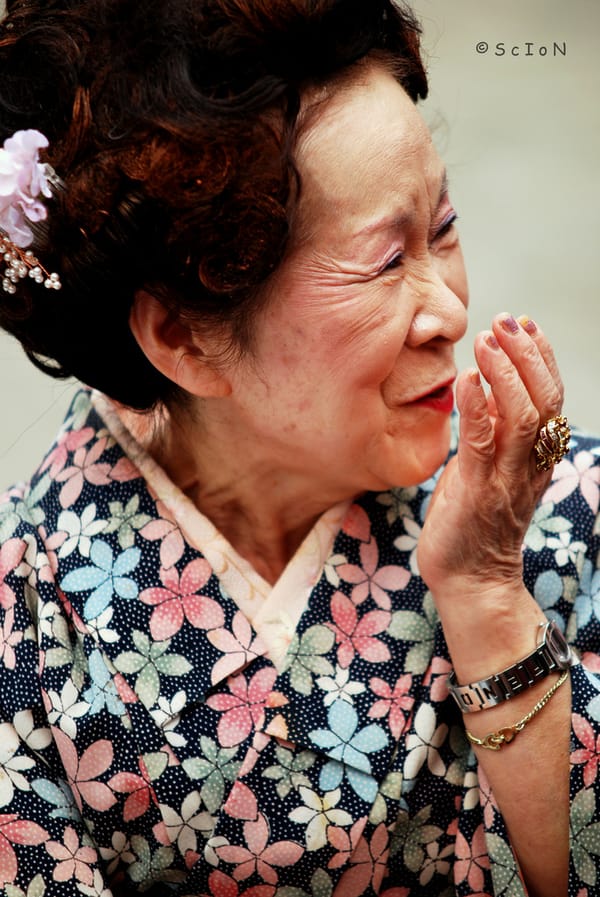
{"x": 124, "y": 471}
{"x": 356, "y": 635}
{"x": 241, "y": 803}
{"x": 139, "y": 790}
{"x": 166, "y": 530}
{"x": 74, "y": 861}
{"x": 124, "y": 690}
{"x": 178, "y": 600}
{"x": 16, "y": 831}
{"x": 86, "y": 467}
{"x": 68, "y": 442}
{"x": 437, "y": 675}
{"x": 487, "y": 800}
{"x": 344, "y": 842}
{"x": 82, "y": 772}
{"x": 243, "y": 708}
{"x": 9, "y": 639}
{"x": 393, "y": 702}
{"x": 568, "y": 475}
{"x": 256, "y": 856}
{"x": 259, "y": 743}
{"x": 11, "y": 555}
{"x": 368, "y": 865}
{"x": 357, "y": 524}
{"x": 239, "y": 647}
{"x": 471, "y": 860}
{"x": 222, "y": 885}
{"x": 590, "y": 753}
{"x": 591, "y": 661}
{"x": 370, "y": 579}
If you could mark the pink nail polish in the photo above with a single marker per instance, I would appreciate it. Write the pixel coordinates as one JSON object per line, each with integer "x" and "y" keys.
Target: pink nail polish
{"x": 492, "y": 341}
{"x": 510, "y": 325}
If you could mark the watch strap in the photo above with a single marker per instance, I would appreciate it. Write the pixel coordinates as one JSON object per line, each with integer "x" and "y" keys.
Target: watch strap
{"x": 553, "y": 653}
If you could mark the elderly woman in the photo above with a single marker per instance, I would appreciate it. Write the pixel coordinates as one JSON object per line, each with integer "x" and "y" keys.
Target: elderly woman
{"x": 252, "y": 644}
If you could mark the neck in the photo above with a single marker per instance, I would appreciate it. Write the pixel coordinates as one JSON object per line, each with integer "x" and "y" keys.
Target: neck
{"x": 263, "y": 509}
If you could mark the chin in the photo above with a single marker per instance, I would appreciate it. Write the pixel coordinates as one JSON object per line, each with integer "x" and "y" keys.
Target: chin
{"x": 412, "y": 465}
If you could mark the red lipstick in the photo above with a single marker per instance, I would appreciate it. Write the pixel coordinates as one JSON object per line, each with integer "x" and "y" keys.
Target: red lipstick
{"x": 441, "y": 399}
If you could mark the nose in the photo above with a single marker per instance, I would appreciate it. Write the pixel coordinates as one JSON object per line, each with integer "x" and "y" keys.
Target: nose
{"x": 440, "y": 301}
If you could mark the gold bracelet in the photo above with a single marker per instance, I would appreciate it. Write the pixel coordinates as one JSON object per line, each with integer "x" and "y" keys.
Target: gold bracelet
{"x": 495, "y": 740}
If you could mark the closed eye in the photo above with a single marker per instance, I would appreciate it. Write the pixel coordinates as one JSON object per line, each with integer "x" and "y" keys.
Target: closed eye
{"x": 394, "y": 262}
{"x": 446, "y": 226}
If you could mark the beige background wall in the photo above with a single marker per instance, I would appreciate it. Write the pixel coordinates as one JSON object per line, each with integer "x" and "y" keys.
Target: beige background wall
{"x": 521, "y": 136}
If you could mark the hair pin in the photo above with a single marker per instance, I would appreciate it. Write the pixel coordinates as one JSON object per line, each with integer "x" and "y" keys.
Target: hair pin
{"x": 24, "y": 180}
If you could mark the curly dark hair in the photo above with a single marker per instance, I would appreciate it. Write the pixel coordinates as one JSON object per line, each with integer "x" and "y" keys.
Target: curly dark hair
{"x": 171, "y": 124}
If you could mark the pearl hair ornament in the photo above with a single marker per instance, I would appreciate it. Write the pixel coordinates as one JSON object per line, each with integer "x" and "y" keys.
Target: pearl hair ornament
{"x": 24, "y": 180}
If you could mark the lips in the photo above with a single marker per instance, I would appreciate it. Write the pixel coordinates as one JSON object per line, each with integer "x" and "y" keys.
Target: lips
{"x": 439, "y": 399}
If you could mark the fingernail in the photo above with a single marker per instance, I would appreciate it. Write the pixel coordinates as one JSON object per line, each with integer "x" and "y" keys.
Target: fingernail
{"x": 528, "y": 325}
{"x": 492, "y": 341}
{"x": 510, "y": 325}
{"x": 475, "y": 377}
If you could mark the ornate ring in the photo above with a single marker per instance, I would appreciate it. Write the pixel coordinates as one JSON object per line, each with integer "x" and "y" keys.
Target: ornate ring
{"x": 552, "y": 443}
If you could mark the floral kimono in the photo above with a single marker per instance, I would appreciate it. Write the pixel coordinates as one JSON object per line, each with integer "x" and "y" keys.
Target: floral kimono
{"x": 162, "y": 733}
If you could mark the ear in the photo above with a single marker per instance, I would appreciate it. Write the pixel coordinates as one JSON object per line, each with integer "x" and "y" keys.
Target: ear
{"x": 174, "y": 349}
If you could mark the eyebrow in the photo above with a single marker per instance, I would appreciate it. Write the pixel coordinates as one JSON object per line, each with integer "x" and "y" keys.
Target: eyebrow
{"x": 397, "y": 221}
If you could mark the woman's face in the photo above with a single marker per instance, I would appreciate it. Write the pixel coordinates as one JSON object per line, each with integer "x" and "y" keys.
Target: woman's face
{"x": 350, "y": 381}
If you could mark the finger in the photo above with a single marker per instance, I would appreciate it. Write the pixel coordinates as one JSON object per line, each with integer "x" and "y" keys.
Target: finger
{"x": 542, "y": 382}
{"x": 476, "y": 446}
{"x": 541, "y": 341}
{"x": 518, "y": 419}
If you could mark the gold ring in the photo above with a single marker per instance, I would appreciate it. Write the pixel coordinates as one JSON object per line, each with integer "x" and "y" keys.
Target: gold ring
{"x": 552, "y": 443}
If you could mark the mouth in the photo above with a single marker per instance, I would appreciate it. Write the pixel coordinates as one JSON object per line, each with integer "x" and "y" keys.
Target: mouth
{"x": 439, "y": 399}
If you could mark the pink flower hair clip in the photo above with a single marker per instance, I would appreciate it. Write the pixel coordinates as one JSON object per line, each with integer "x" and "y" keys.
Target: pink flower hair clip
{"x": 23, "y": 181}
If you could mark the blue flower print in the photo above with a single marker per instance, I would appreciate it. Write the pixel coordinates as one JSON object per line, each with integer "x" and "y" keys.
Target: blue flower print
{"x": 59, "y": 795}
{"x": 548, "y": 591}
{"x": 102, "y": 691}
{"x": 587, "y": 602}
{"x": 348, "y": 750}
{"x": 106, "y": 578}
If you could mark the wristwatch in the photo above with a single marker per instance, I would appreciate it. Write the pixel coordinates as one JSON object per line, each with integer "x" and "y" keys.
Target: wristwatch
{"x": 552, "y": 653}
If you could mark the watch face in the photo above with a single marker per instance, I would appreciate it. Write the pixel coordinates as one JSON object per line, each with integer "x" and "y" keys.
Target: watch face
{"x": 558, "y": 644}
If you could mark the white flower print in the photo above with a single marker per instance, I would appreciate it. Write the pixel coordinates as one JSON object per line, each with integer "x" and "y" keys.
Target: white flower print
{"x": 97, "y": 887}
{"x": 183, "y": 828}
{"x": 65, "y": 708}
{"x": 317, "y": 814}
{"x": 339, "y": 687}
{"x": 423, "y": 744}
{"x": 409, "y": 542}
{"x": 11, "y": 765}
{"x": 166, "y": 715}
{"x": 330, "y": 568}
{"x": 119, "y": 852}
{"x": 100, "y": 630}
{"x": 35, "y": 739}
{"x": 79, "y": 530}
{"x": 34, "y": 564}
{"x": 211, "y": 847}
{"x": 565, "y": 550}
